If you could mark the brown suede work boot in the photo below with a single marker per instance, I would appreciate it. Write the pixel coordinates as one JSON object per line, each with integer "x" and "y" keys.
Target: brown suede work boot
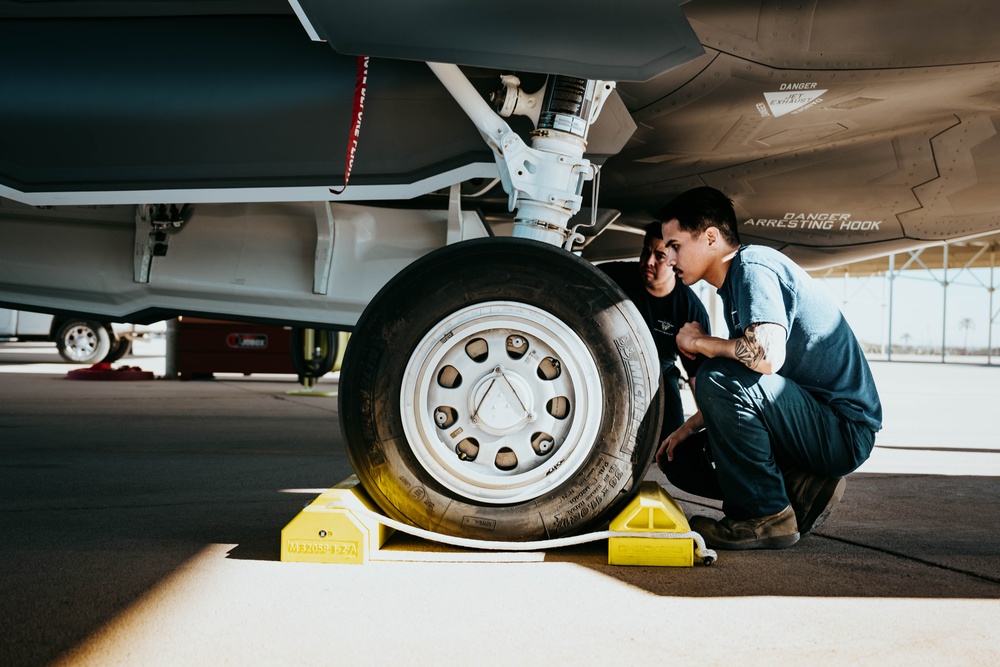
{"x": 812, "y": 497}
{"x": 776, "y": 531}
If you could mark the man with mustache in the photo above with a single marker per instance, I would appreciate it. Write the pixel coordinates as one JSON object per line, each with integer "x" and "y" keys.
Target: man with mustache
{"x": 788, "y": 402}
{"x": 666, "y": 305}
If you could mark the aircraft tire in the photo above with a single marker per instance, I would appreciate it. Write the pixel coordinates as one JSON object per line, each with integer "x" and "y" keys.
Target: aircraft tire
{"x": 501, "y": 389}
{"x": 83, "y": 341}
{"x": 120, "y": 346}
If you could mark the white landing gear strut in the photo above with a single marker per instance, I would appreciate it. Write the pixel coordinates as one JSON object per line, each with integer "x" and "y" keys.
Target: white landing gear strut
{"x": 544, "y": 180}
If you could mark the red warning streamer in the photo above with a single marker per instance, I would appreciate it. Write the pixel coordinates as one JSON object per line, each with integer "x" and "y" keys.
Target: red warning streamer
{"x": 360, "y": 87}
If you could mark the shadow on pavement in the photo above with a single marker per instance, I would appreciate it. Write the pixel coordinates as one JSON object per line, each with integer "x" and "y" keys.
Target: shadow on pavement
{"x": 892, "y": 536}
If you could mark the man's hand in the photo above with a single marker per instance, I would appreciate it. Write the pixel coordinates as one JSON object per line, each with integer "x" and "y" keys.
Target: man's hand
{"x": 665, "y": 452}
{"x": 688, "y": 337}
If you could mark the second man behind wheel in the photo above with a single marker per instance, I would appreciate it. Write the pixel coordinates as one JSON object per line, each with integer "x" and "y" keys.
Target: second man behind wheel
{"x": 666, "y": 304}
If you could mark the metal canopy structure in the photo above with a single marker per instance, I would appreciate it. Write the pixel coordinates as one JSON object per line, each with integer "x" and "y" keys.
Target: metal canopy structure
{"x": 971, "y": 253}
{"x": 943, "y": 265}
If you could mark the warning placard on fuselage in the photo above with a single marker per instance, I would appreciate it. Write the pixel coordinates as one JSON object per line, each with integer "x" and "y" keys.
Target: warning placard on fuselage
{"x": 791, "y": 98}
{"x": 831, "y": 222}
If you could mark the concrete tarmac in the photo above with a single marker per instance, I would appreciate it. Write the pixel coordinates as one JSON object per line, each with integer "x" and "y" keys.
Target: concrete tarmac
{"x": 140, "y": 525}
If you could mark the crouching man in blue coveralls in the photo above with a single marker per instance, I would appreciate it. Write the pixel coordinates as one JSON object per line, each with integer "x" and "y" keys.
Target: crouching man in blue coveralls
{"x": 788, "y": 403}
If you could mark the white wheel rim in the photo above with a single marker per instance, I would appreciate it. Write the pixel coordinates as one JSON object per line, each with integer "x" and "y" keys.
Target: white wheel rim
{"x": 81, "y": 342}
{"x": 502, "y": 403}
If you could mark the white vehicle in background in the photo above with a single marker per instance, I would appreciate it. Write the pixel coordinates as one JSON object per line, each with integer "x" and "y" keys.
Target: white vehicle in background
{"x": 79, "y": 339}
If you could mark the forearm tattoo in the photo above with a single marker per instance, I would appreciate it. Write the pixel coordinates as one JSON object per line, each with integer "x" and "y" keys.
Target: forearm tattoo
{"x": 757, "y": 340}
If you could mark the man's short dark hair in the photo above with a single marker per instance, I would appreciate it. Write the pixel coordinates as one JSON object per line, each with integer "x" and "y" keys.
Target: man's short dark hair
{"x": 653, "y": 230}
{"x": 700, "y": 208}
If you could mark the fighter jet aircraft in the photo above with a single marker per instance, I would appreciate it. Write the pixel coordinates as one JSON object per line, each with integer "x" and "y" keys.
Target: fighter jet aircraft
{"x": 438, "y": 178}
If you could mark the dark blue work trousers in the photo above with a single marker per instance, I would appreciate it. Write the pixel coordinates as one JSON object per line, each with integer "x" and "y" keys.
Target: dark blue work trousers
{"x": 673, "y": 405}
{"x": 757, "y": 425}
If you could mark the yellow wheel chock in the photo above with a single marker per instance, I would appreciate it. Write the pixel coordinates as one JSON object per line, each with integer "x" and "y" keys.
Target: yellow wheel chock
{"x": 342, "y": 525}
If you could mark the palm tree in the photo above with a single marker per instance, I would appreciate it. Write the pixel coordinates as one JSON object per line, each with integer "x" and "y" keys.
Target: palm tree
{"x": 966, "y": 323}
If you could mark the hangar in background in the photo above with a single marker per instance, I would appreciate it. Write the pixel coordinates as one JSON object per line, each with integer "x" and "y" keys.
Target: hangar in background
{"x": 968, "y": 262}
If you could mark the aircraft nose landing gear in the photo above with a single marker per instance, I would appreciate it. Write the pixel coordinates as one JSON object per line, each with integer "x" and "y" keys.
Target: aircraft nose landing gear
{"x": 503, "y": 388}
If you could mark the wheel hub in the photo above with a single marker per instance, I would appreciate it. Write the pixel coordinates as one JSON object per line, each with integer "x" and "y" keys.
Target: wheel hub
{"x": 501, "y": 402}
{"x": 81, "y": 342}
{"x": 497, "y": 403}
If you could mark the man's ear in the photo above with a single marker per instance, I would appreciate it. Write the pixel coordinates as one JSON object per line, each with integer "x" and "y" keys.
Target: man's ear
{"x": 712, "y": 235}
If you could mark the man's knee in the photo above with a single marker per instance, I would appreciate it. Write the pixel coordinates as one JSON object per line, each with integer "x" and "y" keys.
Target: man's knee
{"x": 721, "y": 380}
